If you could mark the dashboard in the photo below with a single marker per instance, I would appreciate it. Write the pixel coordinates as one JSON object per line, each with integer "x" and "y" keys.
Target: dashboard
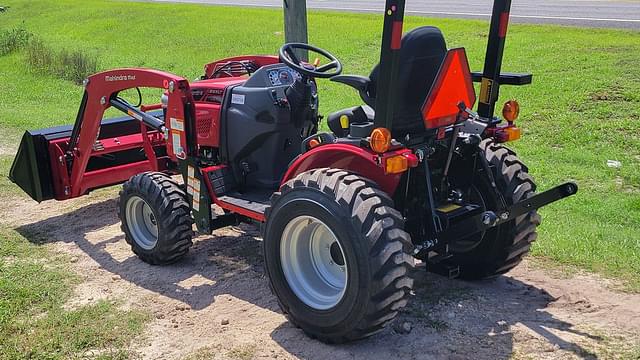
{"x": 283, "y": 76}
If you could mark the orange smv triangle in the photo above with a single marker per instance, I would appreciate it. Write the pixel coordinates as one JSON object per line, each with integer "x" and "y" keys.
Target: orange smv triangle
{"x": 452, "y": 86}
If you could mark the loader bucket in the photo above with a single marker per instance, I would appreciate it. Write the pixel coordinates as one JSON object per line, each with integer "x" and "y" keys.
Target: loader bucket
{"x": 31, "y": 168}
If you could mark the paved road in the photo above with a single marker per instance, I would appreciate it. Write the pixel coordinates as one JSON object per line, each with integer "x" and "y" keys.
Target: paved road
{"x": 591, "y": 13}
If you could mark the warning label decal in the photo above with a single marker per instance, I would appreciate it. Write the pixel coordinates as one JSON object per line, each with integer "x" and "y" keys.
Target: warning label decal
{"x": 177, "y": 124}
{"x": 485, "y": 90}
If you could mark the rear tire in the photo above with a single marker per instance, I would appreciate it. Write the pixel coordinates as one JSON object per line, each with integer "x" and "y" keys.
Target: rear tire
{"x": 156, "y": 218}
{"x": 372, "y": 248}
{"x": 503, "y": 247}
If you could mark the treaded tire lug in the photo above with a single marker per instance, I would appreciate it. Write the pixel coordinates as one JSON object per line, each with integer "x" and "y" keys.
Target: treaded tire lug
{"x": 368, "y": 214}
{"x": 172, "y": 213}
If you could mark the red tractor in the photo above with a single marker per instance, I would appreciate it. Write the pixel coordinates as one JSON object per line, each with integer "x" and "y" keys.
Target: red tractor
{"x": 413, "y": 174}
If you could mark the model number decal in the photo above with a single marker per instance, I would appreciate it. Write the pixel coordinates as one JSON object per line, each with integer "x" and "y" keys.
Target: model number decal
{"x": 237, "y": 99}
{"x": 120, "y": 78}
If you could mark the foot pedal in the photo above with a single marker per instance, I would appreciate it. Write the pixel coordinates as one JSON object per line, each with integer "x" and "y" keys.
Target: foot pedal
{"x": 221, "y": 179}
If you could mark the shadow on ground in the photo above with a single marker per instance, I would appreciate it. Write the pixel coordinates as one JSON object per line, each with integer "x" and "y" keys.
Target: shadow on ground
{"x": 452, "y": 319}
{"x": 449, "y": 319}
{"x": 224, "y": 264}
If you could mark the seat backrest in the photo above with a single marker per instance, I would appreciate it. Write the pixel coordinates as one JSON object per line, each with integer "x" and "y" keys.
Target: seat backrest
{"x": 423, "y": 51}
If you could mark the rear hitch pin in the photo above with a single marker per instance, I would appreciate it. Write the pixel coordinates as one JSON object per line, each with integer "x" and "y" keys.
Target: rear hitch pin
{"x": 425, "y": 246}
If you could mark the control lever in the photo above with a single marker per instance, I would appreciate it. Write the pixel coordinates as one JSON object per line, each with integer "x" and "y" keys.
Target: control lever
{"x": 277, "y": 101}
{"x": 471, "y": 115}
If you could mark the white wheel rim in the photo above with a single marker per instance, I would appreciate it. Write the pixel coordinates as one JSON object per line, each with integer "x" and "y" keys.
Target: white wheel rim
{"x": 313, "y": 262}
{"x": 141, "y": 223}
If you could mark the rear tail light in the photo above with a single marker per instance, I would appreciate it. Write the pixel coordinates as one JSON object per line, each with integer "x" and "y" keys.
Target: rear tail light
{"x": 507, "y": 132}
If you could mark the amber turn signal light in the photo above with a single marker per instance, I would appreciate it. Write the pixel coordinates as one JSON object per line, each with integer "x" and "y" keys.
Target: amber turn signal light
{"x": 511, "y": 110}
{"x": 396, "y": 164}
{"x": 511, "y": 133}
{"x": 380, "y": 140}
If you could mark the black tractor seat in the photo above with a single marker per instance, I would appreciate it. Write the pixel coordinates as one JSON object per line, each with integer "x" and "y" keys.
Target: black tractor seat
{"x": 422, "y": 53}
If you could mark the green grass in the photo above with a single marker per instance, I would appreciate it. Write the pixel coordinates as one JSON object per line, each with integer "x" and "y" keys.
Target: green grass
{"x": 241, "y": 352}
{"x": 34, "y": 286}
{"x": 582, "y": 110}
{"x": 74, "y": 66}
{"x": 13, "y": 40}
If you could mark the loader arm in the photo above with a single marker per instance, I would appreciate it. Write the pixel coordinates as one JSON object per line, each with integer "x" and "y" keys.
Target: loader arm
{"x": 101, "y": 93}
{"x": 67, "y": 162}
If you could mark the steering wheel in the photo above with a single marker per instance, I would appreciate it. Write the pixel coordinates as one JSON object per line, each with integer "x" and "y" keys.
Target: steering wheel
{"x": 288, "y": 56}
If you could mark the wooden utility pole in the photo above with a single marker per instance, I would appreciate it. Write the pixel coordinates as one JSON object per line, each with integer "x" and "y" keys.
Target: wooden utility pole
{"x": 295, "y": 23}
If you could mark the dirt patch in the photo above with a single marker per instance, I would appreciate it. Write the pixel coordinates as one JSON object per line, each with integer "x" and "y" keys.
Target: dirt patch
{"x": 217, "y": 304}
{"x": 9, "y": 141}
{"x": 6, "y": 150}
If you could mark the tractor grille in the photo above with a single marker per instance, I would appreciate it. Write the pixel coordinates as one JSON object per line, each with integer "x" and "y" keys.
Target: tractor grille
{"x": 203, "y": 125}
{"x": 235, "y": 68}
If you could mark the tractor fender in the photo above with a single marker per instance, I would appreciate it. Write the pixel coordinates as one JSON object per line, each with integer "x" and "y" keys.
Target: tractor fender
{"x": 354, "y": 159}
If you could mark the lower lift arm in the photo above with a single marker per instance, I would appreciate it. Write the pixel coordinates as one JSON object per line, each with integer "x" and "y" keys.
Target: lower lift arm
{"x": 489, "y": 219}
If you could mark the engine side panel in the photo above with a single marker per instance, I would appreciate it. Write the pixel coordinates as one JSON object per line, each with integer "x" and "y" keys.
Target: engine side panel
{"x": 208, "y": 96}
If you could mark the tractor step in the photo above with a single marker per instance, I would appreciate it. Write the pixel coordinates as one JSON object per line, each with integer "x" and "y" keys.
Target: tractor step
{"x": 256, "y": 201}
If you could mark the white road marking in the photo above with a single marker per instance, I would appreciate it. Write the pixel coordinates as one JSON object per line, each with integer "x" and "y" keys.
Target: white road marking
{"x": 418, "y": 12}
{"x": 529, "y": 16}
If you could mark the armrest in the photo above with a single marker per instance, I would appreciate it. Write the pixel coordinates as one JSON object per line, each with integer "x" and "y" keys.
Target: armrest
{"x": 507, "y": 78}
{"x": 360, "y": 83}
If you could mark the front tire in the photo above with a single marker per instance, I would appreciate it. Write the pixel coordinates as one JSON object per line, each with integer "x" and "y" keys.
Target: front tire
{"x": 336, "y": 255}
{"x": 156, "y": 218}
